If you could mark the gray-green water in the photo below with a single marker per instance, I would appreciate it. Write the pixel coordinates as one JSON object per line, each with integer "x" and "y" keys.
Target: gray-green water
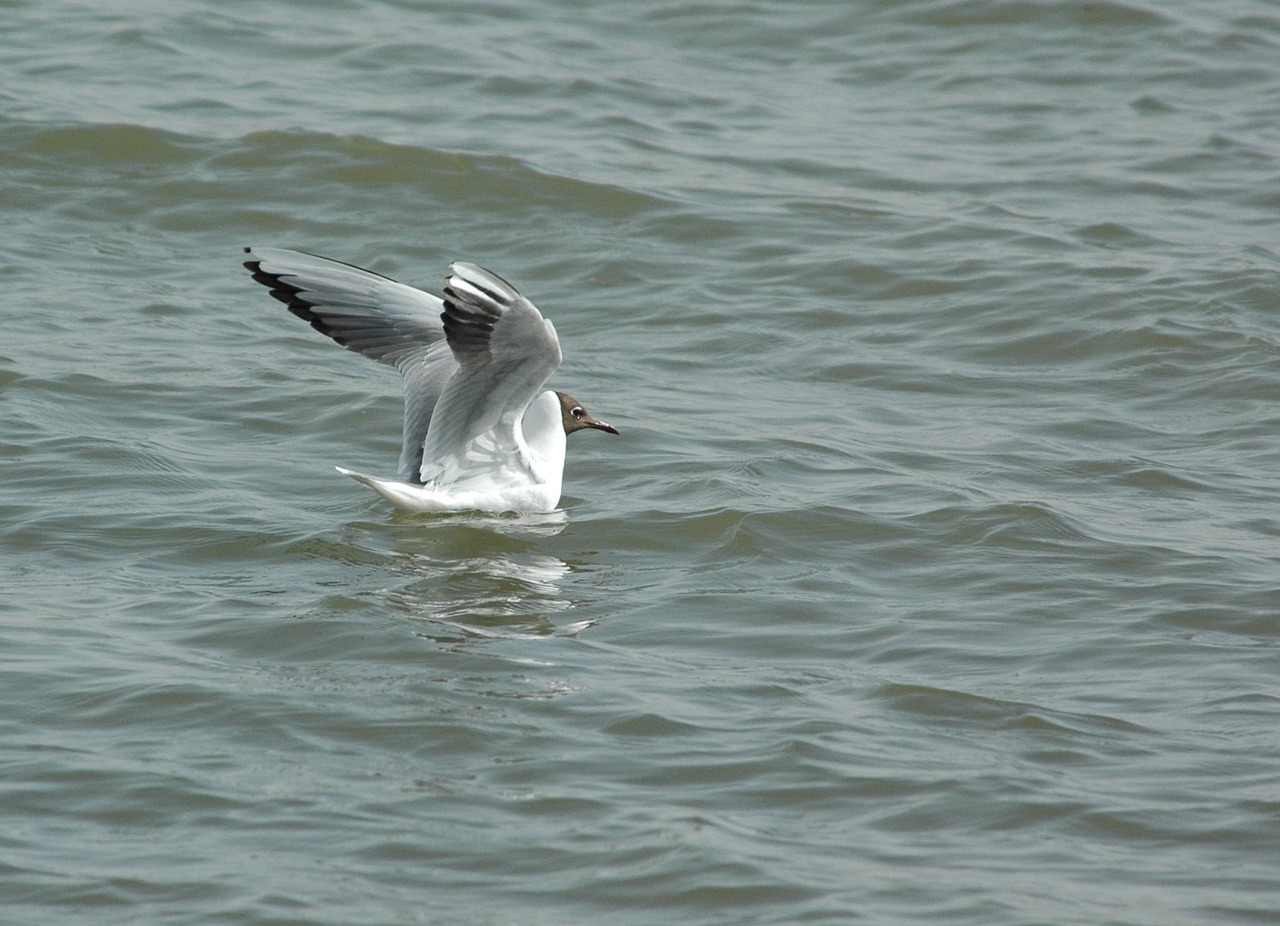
{"x": 935, "y": 577}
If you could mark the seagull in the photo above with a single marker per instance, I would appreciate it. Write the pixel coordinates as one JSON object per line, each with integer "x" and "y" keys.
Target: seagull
{"x": 479, "y": 434}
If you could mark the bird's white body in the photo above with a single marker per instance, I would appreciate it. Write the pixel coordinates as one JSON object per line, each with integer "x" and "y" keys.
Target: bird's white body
{"x": 528, "y": 481}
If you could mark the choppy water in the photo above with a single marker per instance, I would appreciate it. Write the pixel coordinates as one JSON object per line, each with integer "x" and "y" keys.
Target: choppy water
{"x": 934, "y": 579}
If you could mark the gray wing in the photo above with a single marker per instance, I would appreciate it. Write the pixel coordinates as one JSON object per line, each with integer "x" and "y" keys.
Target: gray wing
{"x": 506, "y": 351}
{"x": 372, "y": 315}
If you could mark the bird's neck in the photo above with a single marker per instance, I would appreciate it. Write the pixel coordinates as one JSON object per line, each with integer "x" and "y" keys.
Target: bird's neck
{"x": 543, "y": 427}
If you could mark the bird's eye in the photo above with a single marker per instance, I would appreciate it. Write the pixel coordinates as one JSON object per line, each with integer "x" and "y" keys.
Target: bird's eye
{"x": 576, "y": 411}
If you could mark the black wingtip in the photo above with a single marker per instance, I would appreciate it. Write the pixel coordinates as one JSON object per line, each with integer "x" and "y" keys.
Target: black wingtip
{"x": 291, "y": 296}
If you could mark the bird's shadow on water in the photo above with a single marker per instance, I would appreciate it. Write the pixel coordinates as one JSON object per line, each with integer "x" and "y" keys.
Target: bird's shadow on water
{"x": 473, "y": 577}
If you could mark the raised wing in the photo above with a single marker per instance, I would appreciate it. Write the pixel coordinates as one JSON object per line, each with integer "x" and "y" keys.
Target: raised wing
{"x": 361, "y": 310}
{"x": 372, "y": 315}
{"x": 505, "y": 351}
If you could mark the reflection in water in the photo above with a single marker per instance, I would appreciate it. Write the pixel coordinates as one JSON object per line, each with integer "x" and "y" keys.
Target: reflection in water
{"x": 471, "y": 576}
{"x": 482, "y": 577}
{"x": 489, "y": 597}
{"x": 533, "y": 524}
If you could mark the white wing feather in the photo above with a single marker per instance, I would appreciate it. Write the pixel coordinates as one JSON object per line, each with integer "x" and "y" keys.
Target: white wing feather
{"x": 506, "y": 351}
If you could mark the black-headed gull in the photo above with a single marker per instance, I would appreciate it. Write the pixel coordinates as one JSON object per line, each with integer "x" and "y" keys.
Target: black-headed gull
{"x": 478, "y": 432}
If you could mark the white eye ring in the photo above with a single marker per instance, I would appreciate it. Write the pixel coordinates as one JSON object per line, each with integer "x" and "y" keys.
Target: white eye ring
{"x": 576, "y": 411}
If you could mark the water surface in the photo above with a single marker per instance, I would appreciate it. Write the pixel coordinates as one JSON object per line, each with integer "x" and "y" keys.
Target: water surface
{"x": 934, "y": 578}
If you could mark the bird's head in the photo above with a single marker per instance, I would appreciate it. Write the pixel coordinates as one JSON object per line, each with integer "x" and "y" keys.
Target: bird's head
{"x": 577, "y": 418}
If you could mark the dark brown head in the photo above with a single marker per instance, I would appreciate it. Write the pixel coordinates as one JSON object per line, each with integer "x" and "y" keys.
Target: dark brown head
{"x": 576, "y": 417}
